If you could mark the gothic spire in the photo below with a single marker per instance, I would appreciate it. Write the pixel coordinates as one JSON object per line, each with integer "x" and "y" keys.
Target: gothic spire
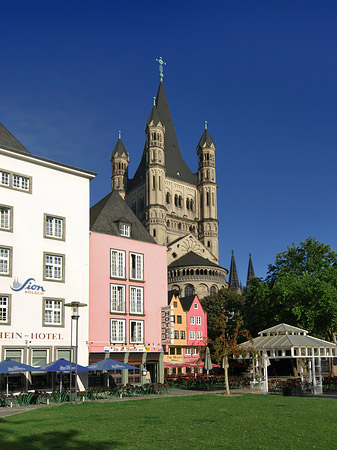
{"x": 251, "y": 273}
{"x": 233, "y": 275}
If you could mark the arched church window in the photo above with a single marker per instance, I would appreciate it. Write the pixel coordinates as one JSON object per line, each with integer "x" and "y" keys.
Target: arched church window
{"x": 176, "y": 201}
{"x": 207, "y": 198}
{"x": 153, "y": 182}
{"x": 187, "y": 203}
{"x": 180, "y": 201}
{"x": 189, "y": 290}
{"x": 212, "y": 291}
{"x": 191, "y": 205}
{"x": 212, "y": 198}
{"x": 168, "y": 198}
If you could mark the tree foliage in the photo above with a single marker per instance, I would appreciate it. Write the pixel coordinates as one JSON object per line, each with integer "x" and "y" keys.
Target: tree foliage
{"x": 300, "y": 289}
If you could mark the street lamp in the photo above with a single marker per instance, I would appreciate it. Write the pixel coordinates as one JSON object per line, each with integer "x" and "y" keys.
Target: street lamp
{"x": 74, "y": 316}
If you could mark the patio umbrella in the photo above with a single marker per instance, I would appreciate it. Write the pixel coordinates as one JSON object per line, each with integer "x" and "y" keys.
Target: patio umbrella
{"x": 62, "y": 365}
{"x": 208, "y": 362}
{"x": 9, "y": 366}
{"x": 110, "y": 364}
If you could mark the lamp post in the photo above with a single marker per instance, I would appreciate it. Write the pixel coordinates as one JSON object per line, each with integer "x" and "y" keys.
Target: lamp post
{"x": 74, "y": 316}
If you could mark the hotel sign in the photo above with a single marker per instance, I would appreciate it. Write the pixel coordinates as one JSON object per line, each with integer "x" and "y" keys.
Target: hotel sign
{"x": 167, "y": 321}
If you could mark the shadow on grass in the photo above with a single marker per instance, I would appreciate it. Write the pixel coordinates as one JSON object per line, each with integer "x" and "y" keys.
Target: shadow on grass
{"x": 53, "y": 440}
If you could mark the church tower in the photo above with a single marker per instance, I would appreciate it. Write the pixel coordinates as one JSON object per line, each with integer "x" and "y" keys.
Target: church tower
{"x": 119, "y": 167}
{"x": 207, "y": 189}
{"x": 155, "y": 210}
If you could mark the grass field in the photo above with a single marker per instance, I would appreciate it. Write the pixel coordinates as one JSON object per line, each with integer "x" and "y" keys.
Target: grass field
{"x": 205, "y": 422}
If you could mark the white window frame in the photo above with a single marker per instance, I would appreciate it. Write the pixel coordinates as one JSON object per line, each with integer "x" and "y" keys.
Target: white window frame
{"x": 187, "y": 351}
{"x": 175, "y": 334}
{"x": 21, "y": 182}
{"x": 195, "y": 351}
{"x": 195, "y": 305}
{"x": 6, "y": 218}
{"x": 139, "y": 324}
{"x": 192, "y": 335}
{"x": 124, "y": 229}
{"x": 5, "y": 309}
{"x": 192, "y": 320}
{"x": 198, "y": 320}
{"x": 117, "y": 298}
{"x": 117, "y": 263}
{"x": 5, "y": 178}
{"x": 136, "y": 266}
{"x": 54, "y": 309}
{"x": 45, "y": 350}
{"x": 136, "y": 300}
{"x": 15, "y": 349}
{"x": 120, "y": 335}
{"x": 182, "y": 334}
{"x": 199, "y": 335}
{"x": 6, "y": 256}
{"x": 53, "y": 267}
{"x": 54, "y": 227}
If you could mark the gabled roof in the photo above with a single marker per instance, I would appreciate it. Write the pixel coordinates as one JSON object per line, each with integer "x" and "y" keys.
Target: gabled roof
{"x": 186, "y": 302}
{"x": 176, "y": 167}
{"x": 119, "y": 149}
{"x": 8, "y": 141}
{"x": 108, "y": 212}
{"x": 154, "y": 116}
{"x": 206, "y": 139}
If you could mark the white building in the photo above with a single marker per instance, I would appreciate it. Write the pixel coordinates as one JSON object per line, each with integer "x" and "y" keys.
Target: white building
{"x": 44, "y": 255}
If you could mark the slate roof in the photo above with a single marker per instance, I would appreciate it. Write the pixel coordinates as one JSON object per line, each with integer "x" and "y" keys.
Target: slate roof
{"x": 233, "y": 282}
{"x": 8, "y": 141}
{"x": 176, "y": 167}
{"x": 186, "y": 302}
{"x": 251, "y": 273}
{"x": 192, "y": 259}
{"x": 119, "y": 148}
{"x": 206, "y": 139}
{"x": 108, "y": 212}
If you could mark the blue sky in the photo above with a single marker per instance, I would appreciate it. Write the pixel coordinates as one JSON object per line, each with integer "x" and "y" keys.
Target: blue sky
{"x": 262, "y": 73}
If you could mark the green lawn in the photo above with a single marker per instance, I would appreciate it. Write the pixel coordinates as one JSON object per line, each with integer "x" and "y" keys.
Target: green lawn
{"x": 204, "y": 422}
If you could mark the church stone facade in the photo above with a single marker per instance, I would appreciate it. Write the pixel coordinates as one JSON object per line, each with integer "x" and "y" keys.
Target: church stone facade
{"x": 176, "y": 206}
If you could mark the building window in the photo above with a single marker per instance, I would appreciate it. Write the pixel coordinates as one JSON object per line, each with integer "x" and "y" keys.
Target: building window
{"x": 168, "y": 198}
{"x": 39, "y": 357}
{"x": 178, "y": 350}
{"x": 212, "y": 291}
{"x": 175, "y": 304}
{"x": 136, "y": 331}
{"x": 176, "y": 334}
{"x": 6, "y": 218}
{"x": 117, "y": 331}
{"x": 53, "y": 267}
{"x": 192, "y": 320}
{"x": 195, "y": 305}
{"x": 199, "y": 335}
{"x": 14, "y": 354}
{"x": 53, "y": 312}
{"x": 117, "y": 263}
{"x": 136, "y": 266}
{"x": 189, "y": 290}
{"x": 117, "y": 298}
{"x": 124, "y": 229}
{"x": 192, "y": 335}
{"x": 136, "y": 300}
{"x": 187, "y": 351}
{"x": 194, "y": 351}
{"x": 21, "y": 182}
{"x": 4, "y": 178}
{"x": 54, "y": 227}
{"x": 198, "y": 320}
{"x": 179, "y": 319}
{"x": 64, "y": 353}
{"x": 6, "y": 261}
{"x": 172, "y": 351}
{"x": 5, "y": 309}
{"x": 182, "y": 334}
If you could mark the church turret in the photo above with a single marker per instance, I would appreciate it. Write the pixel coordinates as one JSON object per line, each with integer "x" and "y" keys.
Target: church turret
{"x": 207, "y": 189}
{"x": 233, "y": 282}
{"x": 155, "y": 174}
{"x": 119, "y": 167}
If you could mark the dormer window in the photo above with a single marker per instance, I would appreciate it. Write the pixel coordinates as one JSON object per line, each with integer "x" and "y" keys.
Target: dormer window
{"x": 124, "y": 229}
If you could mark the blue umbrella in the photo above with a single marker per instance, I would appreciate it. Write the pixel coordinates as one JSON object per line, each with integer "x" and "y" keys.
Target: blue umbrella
{"x": 9, "y": 366}
{"x": 110, "y": 364}
{"x": 62, "y": 365}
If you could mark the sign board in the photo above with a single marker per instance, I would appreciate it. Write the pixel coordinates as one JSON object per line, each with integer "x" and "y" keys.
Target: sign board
{"x": 167, "y": 323}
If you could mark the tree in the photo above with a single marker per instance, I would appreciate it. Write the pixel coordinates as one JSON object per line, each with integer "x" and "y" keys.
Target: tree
{"x": 224, "y": 302}
{"x": 226, "y": 342}
{"x": 300, "y": 289}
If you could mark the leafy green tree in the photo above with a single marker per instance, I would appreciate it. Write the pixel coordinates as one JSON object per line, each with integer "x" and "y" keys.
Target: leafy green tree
{"x": 300, "y": 289}
{"x": 223, "y": 303}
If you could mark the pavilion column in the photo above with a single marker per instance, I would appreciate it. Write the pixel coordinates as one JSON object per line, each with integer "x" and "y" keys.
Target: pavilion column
{"x": 125, "y": 373}
{"x": 265, "y": 372}
{"x": 313, "y": 370}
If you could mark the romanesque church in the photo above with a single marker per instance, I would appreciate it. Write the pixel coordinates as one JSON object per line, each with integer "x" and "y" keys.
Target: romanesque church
{"x": 176, "y": 206}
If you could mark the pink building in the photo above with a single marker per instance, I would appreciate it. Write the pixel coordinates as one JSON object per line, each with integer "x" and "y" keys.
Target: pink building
{"x": 128, "y": 287}
{"x": 196, "y": 327}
